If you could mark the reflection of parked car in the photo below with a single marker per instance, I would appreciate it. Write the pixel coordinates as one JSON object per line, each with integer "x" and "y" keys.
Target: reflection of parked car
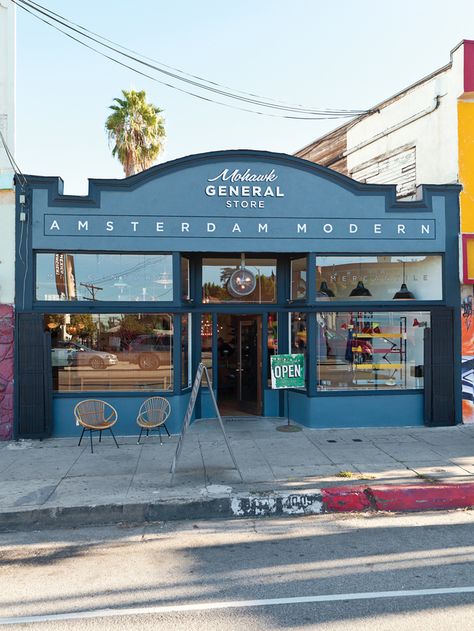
{"x": 150, "y": 351}
{"x": 71, "y": 354}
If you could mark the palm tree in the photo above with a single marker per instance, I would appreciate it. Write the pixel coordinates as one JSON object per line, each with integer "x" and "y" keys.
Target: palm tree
{"x": 137, "y": 131}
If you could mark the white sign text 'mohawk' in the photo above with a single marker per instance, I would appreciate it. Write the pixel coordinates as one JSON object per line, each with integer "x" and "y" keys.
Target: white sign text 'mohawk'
{"x": 246, "y": 183}
{"x": 221, "y": 227}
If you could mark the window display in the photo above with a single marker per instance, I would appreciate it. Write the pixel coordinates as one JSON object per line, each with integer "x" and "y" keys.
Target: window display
{"x": 371, "y": 351}
{"x": 95, "y": 352}
{"x": 379, "y": 278}
{"x": 104, "y": 277}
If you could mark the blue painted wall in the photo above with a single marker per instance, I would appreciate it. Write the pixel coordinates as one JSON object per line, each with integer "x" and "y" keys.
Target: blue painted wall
{"x": 148, "y": 212}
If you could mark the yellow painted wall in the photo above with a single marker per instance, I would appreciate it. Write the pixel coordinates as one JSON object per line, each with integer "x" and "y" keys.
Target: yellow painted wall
{"x": 466, "y": 163}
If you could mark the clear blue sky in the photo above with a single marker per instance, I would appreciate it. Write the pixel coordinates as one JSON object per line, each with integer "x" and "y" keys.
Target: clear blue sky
{"x": 346, "y": 54}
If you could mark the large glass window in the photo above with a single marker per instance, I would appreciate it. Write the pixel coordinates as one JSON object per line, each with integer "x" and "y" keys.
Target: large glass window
{"x": 370, "y": 351}
{"x": 222, "y": 280}
{"x": 298, "y": 278}
{"x": 206, "y": 343}
{"x": 272, "y": 342}
{"x": 378, "y": 278}
{"x": 132, "y": 351}
{"x": 298, "y": 333}
{"x": 104, "y": 277}
{"x": 185, "y": 279}
{"x": 186, "y": 376}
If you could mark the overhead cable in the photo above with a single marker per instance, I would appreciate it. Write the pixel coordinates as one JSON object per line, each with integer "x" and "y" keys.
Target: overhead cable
{"x": 304, "y": 113}
{"x": 185, "y": 74}
{"x": 21, "y": 178}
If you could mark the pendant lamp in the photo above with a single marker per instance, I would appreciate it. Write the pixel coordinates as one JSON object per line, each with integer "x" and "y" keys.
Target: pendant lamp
{"x": 324, "y": 289}
{"x": 404, "y": 293}
{"x": 360, "y": 290}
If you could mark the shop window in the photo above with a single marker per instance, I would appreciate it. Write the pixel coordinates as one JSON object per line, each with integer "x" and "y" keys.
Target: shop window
{"x": 381, "y": 278}
{"x": 370, "y": 351}
{"x": 104, "y": 277}
{"x": 186, "y": 377}
{"x": 96, "y": 352}
{"x": 272, "y": 342}
{"x": 239, "y": 280}
{"x": 298, "y": 333}
{"x": 206, "y": 343}
{"x": 298, "y": 279}
{"x": 185, "y": 279}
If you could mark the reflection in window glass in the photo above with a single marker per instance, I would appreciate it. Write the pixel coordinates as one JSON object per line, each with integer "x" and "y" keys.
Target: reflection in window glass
{"x": 186, "y": 350}
{"x": 298, "y": 279}
{"x": 298, "y": 333}
{"x": 132, "y": 351}
{"x": 185, "y": 279}
{"x": 216, "y": 274}
{"x": 371, "y": 351}
{"x": 378, "y": 278}
{"x": 100, "y": 277}
{"x": 206, "y": 343}
{"x": 272, "y": 341}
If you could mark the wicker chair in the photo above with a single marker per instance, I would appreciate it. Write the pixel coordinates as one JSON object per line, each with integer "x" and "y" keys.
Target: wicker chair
{"x": 96, "y": 416}
{"x": 153, "y": 414}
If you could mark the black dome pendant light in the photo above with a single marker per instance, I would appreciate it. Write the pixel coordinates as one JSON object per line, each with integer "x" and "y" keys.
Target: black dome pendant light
{"x": 360, "y": 290}
{"x": 404, "y": 293}
{"x": 324, "y": 289}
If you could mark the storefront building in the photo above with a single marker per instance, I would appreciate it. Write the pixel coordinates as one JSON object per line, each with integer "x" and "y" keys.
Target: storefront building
{"x": 229, "y": 258}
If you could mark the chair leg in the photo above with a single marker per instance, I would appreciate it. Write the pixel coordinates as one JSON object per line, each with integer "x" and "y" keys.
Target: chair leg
{"x": 83, "y": 430}
{"x": 113, "y": 436}
{"x": 100, "y": 436}
{"x": 148, "y": 431}
{"x": 159, "y": 432}
{"x": 141, "y": 432}
{"x": 92, "y": 448}
{"x": 164, "y": 425}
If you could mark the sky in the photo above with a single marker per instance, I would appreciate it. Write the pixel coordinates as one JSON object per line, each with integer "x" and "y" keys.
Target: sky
{"x": 347, "y": 55}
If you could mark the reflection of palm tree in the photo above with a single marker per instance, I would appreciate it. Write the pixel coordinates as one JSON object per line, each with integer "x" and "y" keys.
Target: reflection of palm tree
{"x": 226, "y": 273}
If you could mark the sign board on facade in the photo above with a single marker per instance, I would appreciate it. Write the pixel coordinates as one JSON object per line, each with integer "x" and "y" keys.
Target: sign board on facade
{"x": 287, "y": 371}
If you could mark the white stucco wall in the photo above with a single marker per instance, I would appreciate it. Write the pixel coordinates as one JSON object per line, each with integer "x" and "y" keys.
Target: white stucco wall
{"x": 7, "y": 127}
{"x": 434, "y": 135}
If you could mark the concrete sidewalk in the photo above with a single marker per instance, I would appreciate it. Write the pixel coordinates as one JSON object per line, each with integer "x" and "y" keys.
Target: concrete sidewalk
{"x": 57, "y": 483}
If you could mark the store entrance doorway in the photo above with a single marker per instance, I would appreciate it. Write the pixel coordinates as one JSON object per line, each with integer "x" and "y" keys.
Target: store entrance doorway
{"x": 239, "y": 352}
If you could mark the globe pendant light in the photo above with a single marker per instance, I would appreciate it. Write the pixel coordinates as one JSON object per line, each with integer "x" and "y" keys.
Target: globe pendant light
{"x": 404, "y": 293}
{"x": 324, "y": 289}
{"x": 242, "y": 282}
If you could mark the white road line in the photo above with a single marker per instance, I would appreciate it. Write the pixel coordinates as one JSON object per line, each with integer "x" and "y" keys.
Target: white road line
{"x": 234, "y": 604}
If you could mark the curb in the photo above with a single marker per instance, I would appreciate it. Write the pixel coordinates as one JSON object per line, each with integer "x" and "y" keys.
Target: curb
{"x": 341, "y": 499}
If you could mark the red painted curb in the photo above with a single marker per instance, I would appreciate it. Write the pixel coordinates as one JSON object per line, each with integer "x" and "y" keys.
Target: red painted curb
{"x": 404, "y": 498}
{"x": 345, "y": 499}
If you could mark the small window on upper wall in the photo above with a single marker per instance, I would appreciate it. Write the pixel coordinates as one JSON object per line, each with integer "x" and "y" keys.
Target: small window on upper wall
{"x": 381, "y": 278}
{"x": 104, "y": 277}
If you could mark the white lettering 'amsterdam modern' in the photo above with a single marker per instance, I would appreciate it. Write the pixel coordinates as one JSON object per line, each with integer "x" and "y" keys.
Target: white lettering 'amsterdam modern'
{"x": 221, "y": 227}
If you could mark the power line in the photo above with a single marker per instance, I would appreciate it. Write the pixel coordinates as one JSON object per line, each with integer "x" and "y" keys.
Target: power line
{"x": 21, "y": 178}
{"x": 313, "y": 114}
{"x": 185, "y": 74}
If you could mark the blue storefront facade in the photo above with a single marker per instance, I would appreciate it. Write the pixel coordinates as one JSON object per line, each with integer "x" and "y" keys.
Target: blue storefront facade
{"x": 228, "y": 258}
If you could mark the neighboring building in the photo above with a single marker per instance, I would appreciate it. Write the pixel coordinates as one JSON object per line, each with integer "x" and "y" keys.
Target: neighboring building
{"x": 424, "y": 133}
{"x": 227, "y": 258}
{"x": 7, "y": 213}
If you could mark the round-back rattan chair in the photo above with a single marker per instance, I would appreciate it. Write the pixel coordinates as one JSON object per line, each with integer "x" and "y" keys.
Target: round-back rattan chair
{"x": 153, "y": 414}
{"x": 96, "y": 416}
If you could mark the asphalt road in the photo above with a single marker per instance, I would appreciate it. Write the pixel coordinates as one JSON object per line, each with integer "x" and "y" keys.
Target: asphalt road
{"x": 330, "y": 572}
